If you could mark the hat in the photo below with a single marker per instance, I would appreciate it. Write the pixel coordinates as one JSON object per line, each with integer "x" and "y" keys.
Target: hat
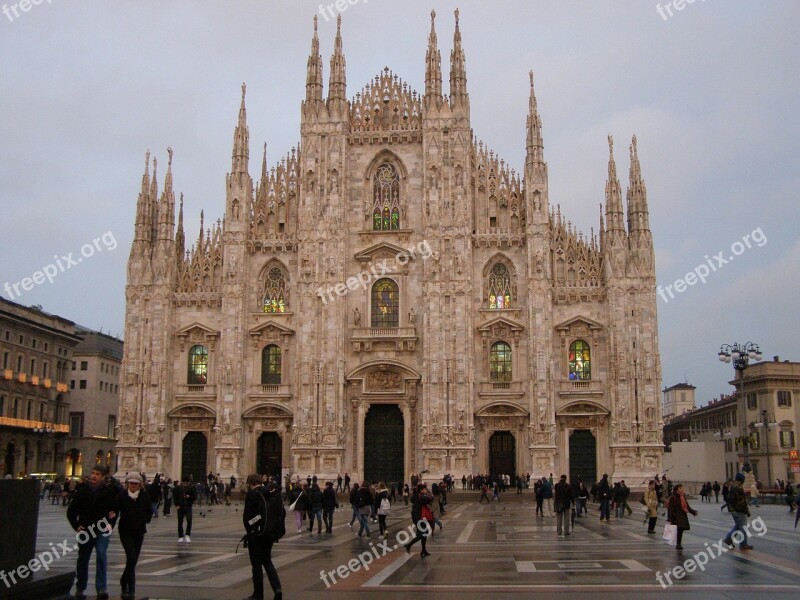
{"x": 740, "y": 477}
{"x": 133, "y": 477}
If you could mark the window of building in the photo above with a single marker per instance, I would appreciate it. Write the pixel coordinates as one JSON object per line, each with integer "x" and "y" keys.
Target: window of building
{"x": 74, "y": 364}
{"x": 15, "y": 412}
{"x": 112, "y": 425}
{"x": 2, "y": 406}
{"x": 500, "y": 287}
{"x": 198, "y": 365}
{"x": 5, "y": 360}
{"x": 756, "y": 439}
{"x": 500, "y": 363}
{"x": 45, "y": 369}
{"x": 580, "y": 363}
{"x": 271, "y": 365}
{"x": 84, "y": 365}
{"x": 752, "y": 401}
{"x": 275, "y": 292}
{"x": 33, "y": 343}
{"x": 76, "y": 424}
{"x": 46, "y": 346}
{"x": 29, "y": 411}
{"x": 21, "y": 340}
{"x": 385, "y": 303}
{"x": 784, "y": 398}
{"x": 386, "y": 198}
{"x": 33, "y": 367}
{"x": 19, "y": 364}
{"x": 42, "y": 408}
{"x": 787, "y": 439}
{"x": 101, "y": 386}
{"x": 72, "y": 384}
{"x": 82, "y": 384}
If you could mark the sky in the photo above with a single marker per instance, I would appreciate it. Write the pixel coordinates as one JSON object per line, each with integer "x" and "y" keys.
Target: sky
{"x": 711, "y": 92}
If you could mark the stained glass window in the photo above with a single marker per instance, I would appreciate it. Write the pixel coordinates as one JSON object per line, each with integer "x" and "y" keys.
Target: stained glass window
{"x": 500, "y": 363}
{"x": 580, "y": 363}
{"x": 275, "y": 296}
{"x": 499, "y": 287}
{"x": 385, "y": 303}
{"x": 386, "y": 198}
{"x": 271, "y": 365}
{"x": 198, "y": 365}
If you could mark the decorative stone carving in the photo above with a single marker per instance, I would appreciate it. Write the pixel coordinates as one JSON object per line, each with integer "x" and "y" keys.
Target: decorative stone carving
{"x": 384, "y": 380}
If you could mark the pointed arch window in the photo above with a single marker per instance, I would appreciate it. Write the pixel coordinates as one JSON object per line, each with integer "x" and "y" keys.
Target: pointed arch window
{"x": 500, "y": 287}
{"x": 276, "y": 298}
{"x": 271, "y": 365}
{"x": 580, "y": 361}
{"x": 198, "y": 365}
{"x": 500, "y": 363}
{"x": 385, "y": 303}
{"x": 386, "y": 198}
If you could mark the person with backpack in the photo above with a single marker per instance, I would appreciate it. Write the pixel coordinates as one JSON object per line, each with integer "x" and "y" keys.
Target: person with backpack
{"x": 329, "y": 505}
{"x": 422, "y": 517}
{"x": 384, "y": 508}
{"x": 264, "y": 523}
{"x": 547, "y": 495}
{"x": 316, "y": 501}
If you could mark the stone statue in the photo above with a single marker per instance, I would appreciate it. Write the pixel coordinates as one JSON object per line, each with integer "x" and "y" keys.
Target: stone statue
{"x": 356, "y": 316}
{"x": 151, "y": 417}
{"x": 329, "y": 415}
{"x": 461, "y": 418}
{"x": 226, "y": 416}
{"x": 412, "y": 316}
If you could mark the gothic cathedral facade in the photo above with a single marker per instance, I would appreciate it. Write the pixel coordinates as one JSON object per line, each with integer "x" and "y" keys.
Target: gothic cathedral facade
{"x": 391, "y": 298}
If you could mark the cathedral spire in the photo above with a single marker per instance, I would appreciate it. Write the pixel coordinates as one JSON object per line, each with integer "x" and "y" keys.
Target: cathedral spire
{"x": 264, "y": 165}
{"x": 433, "y": 64}
{"x": 166, "y": 206}
{"x": 535, "y": 145}
{"x": 180, "y": 236}
{"x": 142, "y": 227}
{"x": 314, "y": 73}
{"x": 458, "y": 72}
{"x": 337, "y": 86}
{"x": 614, "y": 214}
{"x": 241, "y": 140}
{"x": 638, "y": 213}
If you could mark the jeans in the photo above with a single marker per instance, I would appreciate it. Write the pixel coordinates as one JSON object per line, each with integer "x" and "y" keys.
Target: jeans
{"x": 739, "y": 520}
{"x": 132, "y": 544}
{"x": 184, "y": 511}
{"x": 327, "y": 517}
{"x": 260, "y": 550}
{"x": 619, "y": 512}
{"x": 318, "y": 515}
{"x": 564, "y": 517}
{"x": 100, "y": 545}
{"x": 154, "y": 509}
{"x": 167, "y": 506}
{"x": 364, "y": 520}
{"x": 604, "y": 514}
{"x": 355, "y": 515}
{"x": 382, "y": 523}
{"x": 548, "y": 503}
{"x": 582, "y": 506}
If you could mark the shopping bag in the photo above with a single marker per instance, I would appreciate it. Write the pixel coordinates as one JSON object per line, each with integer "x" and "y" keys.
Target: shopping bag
{"x": 670, "y": 534}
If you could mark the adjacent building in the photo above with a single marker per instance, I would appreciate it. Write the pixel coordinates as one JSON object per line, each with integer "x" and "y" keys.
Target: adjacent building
{"x": 392, "y": 297}
{"x": 677, "y": 400}
{"x": 36, "y": 349}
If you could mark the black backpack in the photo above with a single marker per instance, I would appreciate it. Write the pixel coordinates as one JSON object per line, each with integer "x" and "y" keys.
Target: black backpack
{"x": 270, "y": 518}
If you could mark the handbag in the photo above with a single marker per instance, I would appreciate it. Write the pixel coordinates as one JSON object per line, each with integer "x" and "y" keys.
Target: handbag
{"x": 670, "y": 534}
{"x": 426, "y": 513}
{"x": 293, "y": 504}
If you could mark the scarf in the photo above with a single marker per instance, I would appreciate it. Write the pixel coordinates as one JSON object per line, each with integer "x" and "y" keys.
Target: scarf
{"x": 134, "y": 495}
{"x": 684, "y": 504}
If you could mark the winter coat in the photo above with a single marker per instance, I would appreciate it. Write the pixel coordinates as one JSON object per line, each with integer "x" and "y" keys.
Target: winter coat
{"x": 134, "y": 515}
{"x": 651, "y": 502}
{"x": 364, "y": 501}
{"x": 676, "y": 514}
{"x": 315, "y": 498}
{"x": 329, "y": 498}
{"x": 92, "y": 505}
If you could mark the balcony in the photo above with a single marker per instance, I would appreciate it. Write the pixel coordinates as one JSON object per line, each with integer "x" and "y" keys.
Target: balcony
{"x": 403, "y": 338}
{"x": 266, "y": 391}
{"x": 501, "y": 389}
{"x": 25, "y": 424}
{"x": 589, "y": 387}
{"x": 196, "y": 392}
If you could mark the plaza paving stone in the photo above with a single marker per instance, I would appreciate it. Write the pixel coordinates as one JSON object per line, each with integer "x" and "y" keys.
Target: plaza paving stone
{"x": 500, "y": 550}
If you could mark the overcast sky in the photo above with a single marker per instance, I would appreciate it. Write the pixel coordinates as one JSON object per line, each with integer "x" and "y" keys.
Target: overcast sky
{"x": 711, "y": 92}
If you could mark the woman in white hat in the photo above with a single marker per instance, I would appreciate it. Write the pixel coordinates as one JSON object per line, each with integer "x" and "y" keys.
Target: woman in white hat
{"x": 135, "y": 513}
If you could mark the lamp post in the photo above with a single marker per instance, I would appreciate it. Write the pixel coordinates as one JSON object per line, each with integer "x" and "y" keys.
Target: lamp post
{"x": 740, "y": 355}
{"x": 766, "y": 424}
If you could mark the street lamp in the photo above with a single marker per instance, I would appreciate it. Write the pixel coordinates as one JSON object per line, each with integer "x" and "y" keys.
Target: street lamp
{"x": 766, "y": 423}
{"x": 740, "y": 355}
{"x": 45, "y": 428}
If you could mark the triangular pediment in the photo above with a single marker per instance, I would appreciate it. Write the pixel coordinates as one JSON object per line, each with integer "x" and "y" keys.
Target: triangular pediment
{"x": 196, "y": 331}
{"x": 382, "y": 250}
{"x": 271, "y": 327}
{"x": 579, "y": 321}
{"x": 501, "y": 323}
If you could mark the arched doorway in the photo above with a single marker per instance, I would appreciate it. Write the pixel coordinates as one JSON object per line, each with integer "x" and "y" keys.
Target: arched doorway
{"x": 270, "y": 457}
{"x": 195, "y": 456}
{"x": 74, "y": 466}
{"x": 502, "y": 454}
{"x": 583, "y": 456}
{"x": 383, "y": 444}
{"x": 11, "y": 448}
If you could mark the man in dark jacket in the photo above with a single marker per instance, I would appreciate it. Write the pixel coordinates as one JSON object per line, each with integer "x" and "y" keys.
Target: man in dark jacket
{"x": 563, "y": 498}
{"x": 134, "y": 515}
{"x": 329, "y": 505}
{"x": 604, "y": 495}
{"x": 354, "y": 505}
{"x": 185, "y": 496}
{"x": 315, "y": 500}
{"x": 92, "y": 514}
{"x": 154, "y": 493}
{"x": 737, "y": 504}
{"x": 260, "y": 536}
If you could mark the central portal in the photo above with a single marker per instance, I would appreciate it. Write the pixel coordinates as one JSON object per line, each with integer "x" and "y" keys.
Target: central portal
{"x": 583, "y": 456}
{"x": 502, "y": 454}
{"x": 383, "y": 444}
{"x": 269, "y": 455}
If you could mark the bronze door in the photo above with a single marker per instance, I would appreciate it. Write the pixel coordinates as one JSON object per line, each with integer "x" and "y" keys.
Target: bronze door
{"x": 269, "y": 454}
{"x": 583, "y": 456}
{"x": 502, "y": 454}
{"x": 195, "y": 456}
{"x": 383, "y": 444}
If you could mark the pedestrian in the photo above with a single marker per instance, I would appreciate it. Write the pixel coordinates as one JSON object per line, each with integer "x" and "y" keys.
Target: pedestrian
{"x": 262, "y": 536}
{"x": 755, "y": 496}
{"x": 346, "y": 482}
{"x": 316, "y": 501}
{"x": 484, "y": 494}
{"x": 384, "y": 508}
{"x": 339, "y": 480}
{"x": 135, "y": 512}
{"x": 716, "y": 488}
{"x": 563, "y": 504}
{"x": 604, "y": 495}
{"x": 617, "y": 493}
{"x": 364, "y": 501}
{"x": 93, "y": 510}
{"x": 298, "y": 504}
{"x": 329, "y": 505}
{"x": 650, "y": 501}
{"x": 167, "y": 490}
{"x": 354, "y": 493}
{"x": 154, "y": 493}
{"x": 583, "y": 498}
{"x": 463, "y": 482}
{"x": 678, "y": 511}
{"x": 726, "y": 487}
{"x": 547, "y": 496}
{"x": 422, "y": 518}
{"x": 185, "y": 496}
{"x": 740, "y": 511}
{"x": 537, "y": 492}
{"x": 406, "y": 494}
